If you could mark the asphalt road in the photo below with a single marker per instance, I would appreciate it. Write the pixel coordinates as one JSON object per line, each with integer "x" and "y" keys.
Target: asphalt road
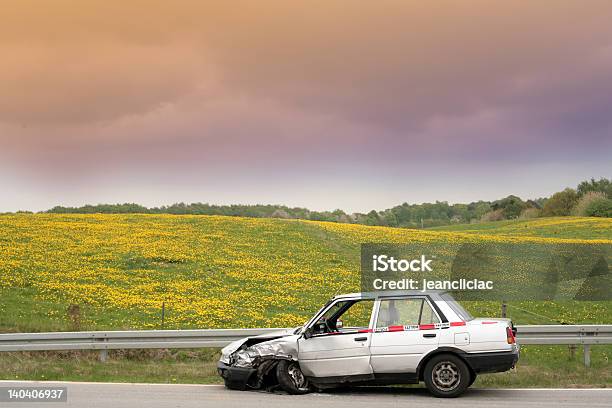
{"x": 162, "y": 396}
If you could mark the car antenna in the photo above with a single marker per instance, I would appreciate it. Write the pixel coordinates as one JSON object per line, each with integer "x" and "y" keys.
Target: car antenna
{"x": 340, "y": 289}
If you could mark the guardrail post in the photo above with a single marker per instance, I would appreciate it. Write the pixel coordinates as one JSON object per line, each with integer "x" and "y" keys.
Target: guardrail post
{"x": 504, "y": 309}
{"x": 103, "y": 355}
{"x": 587, "y": 355}
{"x": 163, "y": 314}
{"x": 572, "y": 351}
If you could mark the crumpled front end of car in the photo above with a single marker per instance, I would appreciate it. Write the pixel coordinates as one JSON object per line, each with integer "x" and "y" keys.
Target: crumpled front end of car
{"x": 250, "y": 363}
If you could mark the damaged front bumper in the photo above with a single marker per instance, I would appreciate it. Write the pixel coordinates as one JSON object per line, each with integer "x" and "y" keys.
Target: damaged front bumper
{"x": 235, "y": 378}
{"x": 249, "y": 363}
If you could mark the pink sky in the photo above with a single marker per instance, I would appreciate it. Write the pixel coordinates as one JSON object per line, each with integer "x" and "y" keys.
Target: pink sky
{"x": 318, "y": 104}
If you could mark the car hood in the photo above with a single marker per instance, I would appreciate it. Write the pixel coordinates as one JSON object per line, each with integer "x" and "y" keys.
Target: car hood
{"x": 263, "y": 344}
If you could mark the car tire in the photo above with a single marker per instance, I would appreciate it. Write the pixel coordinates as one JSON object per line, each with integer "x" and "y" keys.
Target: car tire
{"x": 290, "y": 377}
{"x": 446, "y": 376}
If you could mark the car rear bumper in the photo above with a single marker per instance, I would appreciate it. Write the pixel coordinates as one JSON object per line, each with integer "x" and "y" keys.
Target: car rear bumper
{"x": 495, "y": 362}
{"x": 235, "y": 378}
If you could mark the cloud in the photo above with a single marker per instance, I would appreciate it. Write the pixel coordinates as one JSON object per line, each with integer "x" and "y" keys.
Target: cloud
{"x": 66, "y": 84}
{"x": 311, "y": 90}
{"x": 393, "y": 63}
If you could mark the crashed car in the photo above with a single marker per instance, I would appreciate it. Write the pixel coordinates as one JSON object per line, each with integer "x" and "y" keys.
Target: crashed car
{"x": 375, "y": 338}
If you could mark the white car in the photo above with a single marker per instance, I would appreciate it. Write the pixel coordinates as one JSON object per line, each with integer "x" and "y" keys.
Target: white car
{"x": 375, "y": 338}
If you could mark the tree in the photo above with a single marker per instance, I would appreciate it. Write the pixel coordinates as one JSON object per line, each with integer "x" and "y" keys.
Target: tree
{"x": 560, "y": 203}
{"x": 372, "y": 218}
{"x": 602, "y": 185}
{"x": 389, "y": 219}
{"x": 480, "y": 208}
{"x": 512, "y": 206}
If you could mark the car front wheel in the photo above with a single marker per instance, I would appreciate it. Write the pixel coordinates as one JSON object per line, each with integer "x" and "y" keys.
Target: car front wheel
{"x": 446, "y": 376}
{"x": 290, "y": 377}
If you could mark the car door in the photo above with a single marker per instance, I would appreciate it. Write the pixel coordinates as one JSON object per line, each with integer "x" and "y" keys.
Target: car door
{"x": 405, "y": 330}
{"x": 340, "y": 351}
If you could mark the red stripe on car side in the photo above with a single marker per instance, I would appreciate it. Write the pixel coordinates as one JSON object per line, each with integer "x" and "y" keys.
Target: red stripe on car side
{"x": 420, "y": 327}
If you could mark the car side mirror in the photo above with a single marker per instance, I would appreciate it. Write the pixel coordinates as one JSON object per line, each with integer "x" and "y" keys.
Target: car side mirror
{"x": 308, "y": 333}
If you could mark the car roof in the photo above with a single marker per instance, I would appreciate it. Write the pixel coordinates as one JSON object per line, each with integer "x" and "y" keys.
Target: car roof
{"x": 388, "y": 293}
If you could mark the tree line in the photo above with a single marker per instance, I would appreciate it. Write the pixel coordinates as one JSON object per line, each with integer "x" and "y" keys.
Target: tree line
{"x": 590, "y": 198}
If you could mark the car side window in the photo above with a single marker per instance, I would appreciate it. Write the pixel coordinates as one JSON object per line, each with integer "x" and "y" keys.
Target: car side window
{"x": 345, "y": 315}
{"x": 404, "y": 312}
{"x": 428, "y": 316}
{"x": 358, "y": 315}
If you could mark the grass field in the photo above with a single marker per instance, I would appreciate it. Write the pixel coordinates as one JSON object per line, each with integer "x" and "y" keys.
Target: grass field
{"x": 539, "y": 366}
{"x": 558, "y": 227}
{"x": 115, "y": 271}
{"x": 214, "y": 272}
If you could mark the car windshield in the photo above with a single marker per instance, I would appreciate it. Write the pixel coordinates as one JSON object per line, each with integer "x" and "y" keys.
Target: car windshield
{"x": 316, "y": 314}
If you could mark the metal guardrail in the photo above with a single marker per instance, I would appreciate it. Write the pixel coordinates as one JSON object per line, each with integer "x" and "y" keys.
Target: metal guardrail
{"x": 137, "y": 339}
{"x": 565, "y": 334}
{"x": 585, "y": 335}
{"x": 572, "y": 335}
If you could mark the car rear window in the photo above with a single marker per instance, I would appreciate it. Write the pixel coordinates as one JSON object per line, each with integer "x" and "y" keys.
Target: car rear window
{"x": 457, "y": 308}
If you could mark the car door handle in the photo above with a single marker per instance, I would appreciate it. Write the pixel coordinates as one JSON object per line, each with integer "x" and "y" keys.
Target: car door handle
{"x": 360, "y": 338}
{"x": 429, "y": 335}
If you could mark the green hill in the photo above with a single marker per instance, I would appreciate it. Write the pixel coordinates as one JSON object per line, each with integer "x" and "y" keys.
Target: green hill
{"x": 70, "y": 271}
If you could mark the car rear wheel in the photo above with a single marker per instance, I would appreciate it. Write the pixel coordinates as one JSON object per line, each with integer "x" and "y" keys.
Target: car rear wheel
{"x": 446, "y": 376}
{"x": 290, "y": 377}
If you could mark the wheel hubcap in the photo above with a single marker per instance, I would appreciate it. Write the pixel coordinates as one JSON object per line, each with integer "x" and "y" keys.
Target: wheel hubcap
{"x": 446, "y": 376}
{"x": 296, "y": 376}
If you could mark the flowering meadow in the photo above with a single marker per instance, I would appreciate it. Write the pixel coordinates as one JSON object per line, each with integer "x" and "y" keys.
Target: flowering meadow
{"x": 214, "y": 271}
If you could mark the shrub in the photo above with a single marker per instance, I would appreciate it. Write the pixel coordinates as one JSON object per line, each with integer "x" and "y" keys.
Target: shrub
{"x": 495, "y": 215}
{"x": 280, "y": 213}
{"x": 585, "y": 201}
{"x": 600, "y": 208}
{"x": 531, "y": 212}
{"x": 560, "y": 203}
